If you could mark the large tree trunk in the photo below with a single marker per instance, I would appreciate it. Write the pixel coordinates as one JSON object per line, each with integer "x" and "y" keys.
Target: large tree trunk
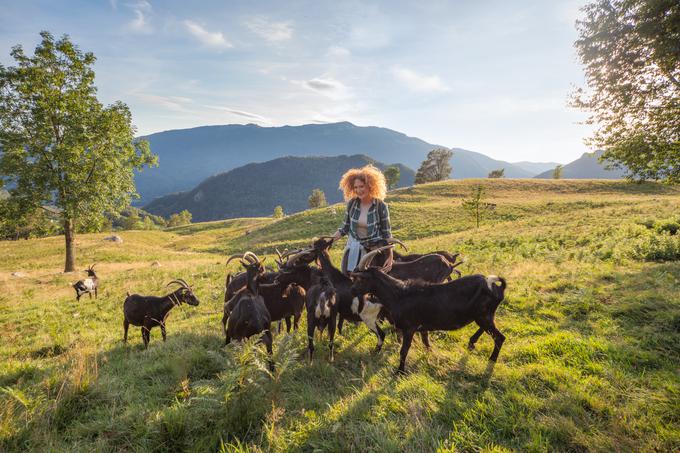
{"x": 69, "y": 235}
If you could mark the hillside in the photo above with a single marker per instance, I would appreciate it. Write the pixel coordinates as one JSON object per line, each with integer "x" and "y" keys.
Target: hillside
{"x": 590, "y": 362}
{"x": 188, "y": 156}
{"x": 255, "y": 189}
{"x": 587, "y": 166}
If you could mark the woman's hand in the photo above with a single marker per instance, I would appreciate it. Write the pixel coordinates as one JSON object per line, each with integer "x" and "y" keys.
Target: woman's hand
{"x": 389, "y": 261}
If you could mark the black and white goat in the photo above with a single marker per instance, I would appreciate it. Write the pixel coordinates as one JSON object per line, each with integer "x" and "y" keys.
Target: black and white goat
{"x": 87, "y": 285}
{"x": 152, "y": 311}
{"x": 418, "y": 306}
{"x": 246, "y": 313}
{"x": 322, "y": 311}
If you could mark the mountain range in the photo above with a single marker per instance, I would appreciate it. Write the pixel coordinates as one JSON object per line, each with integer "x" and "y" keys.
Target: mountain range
{"x": 188, "y": 156}
{"x": 587, "y": 166}
{"x": 253, "y": 190}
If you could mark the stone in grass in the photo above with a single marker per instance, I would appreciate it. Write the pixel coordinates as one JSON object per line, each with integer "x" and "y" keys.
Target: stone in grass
{"x": 115, "y": 238}
{"x": 156, "y": 264}
{"x": 18, "y": 274}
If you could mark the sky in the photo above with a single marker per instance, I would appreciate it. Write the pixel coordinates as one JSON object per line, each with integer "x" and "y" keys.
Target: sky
{"x": 488, "y": 76}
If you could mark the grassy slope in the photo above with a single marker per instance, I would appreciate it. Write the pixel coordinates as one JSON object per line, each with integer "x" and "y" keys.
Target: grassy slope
{"x": 591, "y": 360}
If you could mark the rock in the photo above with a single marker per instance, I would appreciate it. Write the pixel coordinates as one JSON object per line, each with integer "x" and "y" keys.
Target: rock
{"x": 155, "y": 264}
{"x": 18, "y": 274}
{"x": 115, "y": 238}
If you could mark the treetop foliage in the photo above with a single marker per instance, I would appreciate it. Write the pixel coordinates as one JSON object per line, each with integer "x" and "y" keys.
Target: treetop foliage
{"x": 630, "y": 52}
{"x": 435, "y": 167}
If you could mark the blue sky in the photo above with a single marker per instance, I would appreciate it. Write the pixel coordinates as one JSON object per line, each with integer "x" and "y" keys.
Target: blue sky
{"x": 489, "y": 76}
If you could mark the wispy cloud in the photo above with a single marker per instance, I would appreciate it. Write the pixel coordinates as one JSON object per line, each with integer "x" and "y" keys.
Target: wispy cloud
{"x": 327, "y": 86}
{"x": 210, "y": 39}
{"x": 242, "y": 113}
{"x": 273, "y": 32}
{"x": 420, "y": 82}
{"x": 338, "y": 52}
{"x": 141, "y": 10}
{"x": 174, "y": 103}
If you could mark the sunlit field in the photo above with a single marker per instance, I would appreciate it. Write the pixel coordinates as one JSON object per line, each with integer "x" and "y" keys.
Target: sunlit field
{"x": 591, "y": 361}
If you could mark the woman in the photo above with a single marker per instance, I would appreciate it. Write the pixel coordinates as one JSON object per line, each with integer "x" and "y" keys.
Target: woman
{"x": 367, "y": 218}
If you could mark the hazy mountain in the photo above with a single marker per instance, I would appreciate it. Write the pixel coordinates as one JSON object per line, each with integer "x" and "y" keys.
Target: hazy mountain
{"x": 188, "y": 156}
{"x": 254, "y": 190}
{"x": 536, "y": 167}
{"x": 586, "y": 167}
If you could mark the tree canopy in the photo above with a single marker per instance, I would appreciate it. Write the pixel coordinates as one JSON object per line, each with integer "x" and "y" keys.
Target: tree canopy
{"x": 317, "y": 199}
{"x": 631, "y": 55}
{"x": 392, "y": 175}
{"x": 435, "y": 167}
{"x": 60, "y": 145}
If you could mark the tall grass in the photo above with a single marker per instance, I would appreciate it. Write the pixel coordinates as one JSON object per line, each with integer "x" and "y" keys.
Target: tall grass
{"x": 592, "y": 320}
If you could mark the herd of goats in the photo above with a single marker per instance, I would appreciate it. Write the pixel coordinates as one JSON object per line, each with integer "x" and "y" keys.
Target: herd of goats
{"x": 416, "y": 294}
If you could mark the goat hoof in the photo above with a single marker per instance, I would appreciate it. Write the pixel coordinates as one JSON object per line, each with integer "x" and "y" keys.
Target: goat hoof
{"x": 471, "y": 347}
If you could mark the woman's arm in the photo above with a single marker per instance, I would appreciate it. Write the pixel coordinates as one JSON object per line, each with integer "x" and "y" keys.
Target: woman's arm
{"x": 344, "y": 229}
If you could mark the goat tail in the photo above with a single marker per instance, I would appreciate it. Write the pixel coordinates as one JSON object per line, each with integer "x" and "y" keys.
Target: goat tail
{"x": 497, "y": 290}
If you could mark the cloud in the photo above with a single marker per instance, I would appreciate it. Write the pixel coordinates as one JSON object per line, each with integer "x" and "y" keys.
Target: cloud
{"x": 210, "y": 39}
{"x": 242, "y": 113}
{"x": 338, "y": 52}
{"x": 328, "y": 87}
{"x": 174, "y": 103}
{"x": 139, "y": 24}
{"x": 420, "y": 82}
{"x": 273, "y": 32}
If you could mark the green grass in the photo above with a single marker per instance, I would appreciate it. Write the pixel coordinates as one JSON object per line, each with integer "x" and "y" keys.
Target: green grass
{"x": 591, "y": 316}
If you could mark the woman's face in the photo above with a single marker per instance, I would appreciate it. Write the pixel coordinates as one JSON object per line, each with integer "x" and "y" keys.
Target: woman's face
{"x": 360, "y": 188}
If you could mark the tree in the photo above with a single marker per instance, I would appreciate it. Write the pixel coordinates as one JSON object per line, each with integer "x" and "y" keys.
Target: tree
{"x": 435, "y": 167}
{"x": 60, "y": 146}
{"x": 497, "y": 173}
{"x": 630, "y": 52}
{"x": 183, "y": 218}
{"x": 317, "y": 199}
{"x": 392, "y": 175}
{"x": 278, "y": 212}
{"x": 475, "y": 204}
{"x": 557, "y": 172}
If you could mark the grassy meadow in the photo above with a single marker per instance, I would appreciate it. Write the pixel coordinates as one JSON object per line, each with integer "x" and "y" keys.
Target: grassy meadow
{"x": 591, "y": 315}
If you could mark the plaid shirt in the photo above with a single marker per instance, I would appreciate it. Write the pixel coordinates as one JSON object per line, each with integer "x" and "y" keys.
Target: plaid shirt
{"x": 378, "y": 221}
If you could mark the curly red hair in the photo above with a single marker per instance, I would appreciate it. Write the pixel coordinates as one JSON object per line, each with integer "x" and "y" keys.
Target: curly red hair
{"x": 369, "y": 175}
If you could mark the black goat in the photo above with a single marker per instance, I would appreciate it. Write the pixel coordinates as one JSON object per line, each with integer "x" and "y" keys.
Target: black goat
{"x": 152, "y": 311}
{"x": 247, "y": 313}
{"x": 238, "y": 281}
{"x": 434, "y": 267}
{"x": 420, "y": 306}
{"x": 88, "y": 285}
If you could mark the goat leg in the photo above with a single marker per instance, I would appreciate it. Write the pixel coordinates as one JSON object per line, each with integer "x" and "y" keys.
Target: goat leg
{"x": 426, "y": 339}
{"x": 268, "y": 340}
{"x": 287, "y": 324}
{"x": 126, "y": 325}
{"x": 498, "y": 339}
{"x": 474, "y": 338}
{"x": 331, "y": 336}
{"x": 311, "y": 327}
{"x": 162, "y": 325}
{"x": 405, "y": 346}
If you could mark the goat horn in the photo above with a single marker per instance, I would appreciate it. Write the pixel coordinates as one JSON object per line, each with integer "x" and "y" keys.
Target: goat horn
{"x": 293, "y": 259}
{"x": 397, "y": 241}
{"x": 251, "y": 257}
{"x": 233, "y": 257}
{"x": 367, "y": 258}
{"x": 287, "y": 253}
{"x": 183, "y": 282}
{"x": 178, "y": 282}
{"x": 279, "y": 254}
